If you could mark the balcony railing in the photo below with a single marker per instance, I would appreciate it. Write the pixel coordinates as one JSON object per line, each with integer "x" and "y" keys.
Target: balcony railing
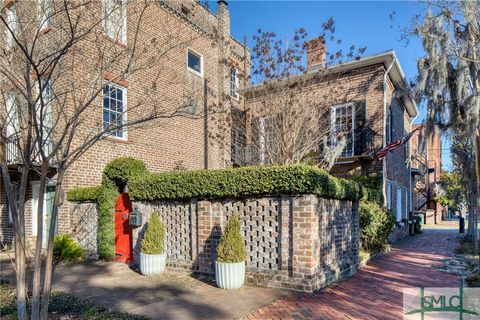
{"x": 364, "y": 141}
{"x": 14, "y": 155}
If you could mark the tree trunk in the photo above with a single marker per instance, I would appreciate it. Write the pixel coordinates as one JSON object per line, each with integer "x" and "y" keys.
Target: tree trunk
{"x": 35, "y": 313}
{"x": 477, "y": 191}
{"x": 19, "y": 229}
{"x": 47, "y": 286}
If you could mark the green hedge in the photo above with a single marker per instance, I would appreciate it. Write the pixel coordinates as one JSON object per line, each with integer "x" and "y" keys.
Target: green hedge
{"x": 242, "y": 182}
{"x": 376, "y": 224}
{"x": 121, "y": 170}
{"x": 106, "y": 222}
{"x": 85, "y": 194}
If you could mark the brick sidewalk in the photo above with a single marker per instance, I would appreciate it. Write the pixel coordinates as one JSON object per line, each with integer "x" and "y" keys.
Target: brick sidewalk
{"x": 375, "y": 292}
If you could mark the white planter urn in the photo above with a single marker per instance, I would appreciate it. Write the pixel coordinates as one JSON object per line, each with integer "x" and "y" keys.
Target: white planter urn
{"x": 152, "y": 264}
{"x": 230, "y": 275}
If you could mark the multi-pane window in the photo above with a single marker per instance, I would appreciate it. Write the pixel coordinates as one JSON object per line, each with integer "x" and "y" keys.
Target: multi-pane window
{"x": 194, "y": 62}
{"x": 114, "y": 110}
{"x": 12, "y": 23}
{"x": 342, "y": 127}
{"x": 115, "y": 19}
{"x": 45, "y": 13}
{"x": 234, "y": 83}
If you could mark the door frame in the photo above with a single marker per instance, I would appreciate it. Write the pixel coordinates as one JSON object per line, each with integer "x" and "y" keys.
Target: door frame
{"x": 35, "y": 185}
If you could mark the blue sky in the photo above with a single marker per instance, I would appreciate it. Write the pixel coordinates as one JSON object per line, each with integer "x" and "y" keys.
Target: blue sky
{"x": 362, "y": 23}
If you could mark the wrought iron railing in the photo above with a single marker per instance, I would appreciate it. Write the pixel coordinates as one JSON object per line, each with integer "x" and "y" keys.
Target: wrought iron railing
{"x": 14, "y": 154}
{"x": 364, "y": 141}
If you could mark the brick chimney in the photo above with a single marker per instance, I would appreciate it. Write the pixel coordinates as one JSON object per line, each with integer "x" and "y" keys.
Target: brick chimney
{"x": 316, "y": 51}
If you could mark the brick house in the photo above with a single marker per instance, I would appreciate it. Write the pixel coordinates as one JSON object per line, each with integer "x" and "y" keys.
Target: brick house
{"x": 362, "y": 100}
{"x": 426, "y": 172}
{"x": 206, "y": 58}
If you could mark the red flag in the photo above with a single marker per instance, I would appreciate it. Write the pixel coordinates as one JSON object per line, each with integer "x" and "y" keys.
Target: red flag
{"x": 395, "y": 144}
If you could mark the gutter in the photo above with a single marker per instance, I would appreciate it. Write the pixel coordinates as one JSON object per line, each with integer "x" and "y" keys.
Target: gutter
{"x": 384, "y": 161}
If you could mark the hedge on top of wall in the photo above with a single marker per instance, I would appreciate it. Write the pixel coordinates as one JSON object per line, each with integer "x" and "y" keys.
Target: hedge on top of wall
{"x": 243, "y": 182}
{"x": 85, "y": 194}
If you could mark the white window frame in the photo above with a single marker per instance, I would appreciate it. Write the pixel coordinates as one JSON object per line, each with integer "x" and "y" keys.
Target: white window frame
{"x": 12, "y": 22}
{"x": 333, "y": 125}
{"x": 200, "y": 74}
{"x": 122, "y": 38}
{"x": 262, "y": 142}
{"x": 234, "y": 83}
{"x": 389, "y": 194}
{"x": 44, "y": 8}
{"x": 399, "y": 203}
{"x": 124, "y": 115}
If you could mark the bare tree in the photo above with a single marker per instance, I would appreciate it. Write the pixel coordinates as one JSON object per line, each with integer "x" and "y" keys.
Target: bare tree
{"x": 449, "y": 83}
{"x": 287, "y": 115}
{"x": 53, "y": 68}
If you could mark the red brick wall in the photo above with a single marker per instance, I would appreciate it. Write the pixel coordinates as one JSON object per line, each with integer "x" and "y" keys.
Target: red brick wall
{"x": 162, "y": 144}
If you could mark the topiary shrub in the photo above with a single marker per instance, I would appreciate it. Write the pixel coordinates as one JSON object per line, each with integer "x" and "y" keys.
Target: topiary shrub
{"x": 121, "y": 170}
{"x": 231, "y": 248}
{"x": 376, "y": 224}
{"x": 66, "y": 249}
{"x": 106, "y": 221}
{"x": 153, "y": 241}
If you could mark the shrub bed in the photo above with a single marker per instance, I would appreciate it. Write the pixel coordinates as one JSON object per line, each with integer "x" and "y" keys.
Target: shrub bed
{"x": 376, "y": 224}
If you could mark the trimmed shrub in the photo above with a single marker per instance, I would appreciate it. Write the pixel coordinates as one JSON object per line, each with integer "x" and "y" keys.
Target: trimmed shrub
{"x": 243, "y": 182}
{"x": 85, "y": 194}
{"x": 121, "y": 170}
{"x": 231, "y": 248}
{"x": 66, "y": 249}
{"x": 106, "y": 221}
{"x": 376, "y": 224}
{"x": 153, "y": 240}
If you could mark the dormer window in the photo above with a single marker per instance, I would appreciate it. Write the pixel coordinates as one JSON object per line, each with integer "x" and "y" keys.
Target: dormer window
{"x": 115, "y": 20}
{"x": 195, "y": 63}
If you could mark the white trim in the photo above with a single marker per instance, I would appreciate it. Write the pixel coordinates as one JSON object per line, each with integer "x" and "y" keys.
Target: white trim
{"x": 124, "y": 114}
{"x": 45, "y": 21}
{"x": 262, "y": 139}
{"x": 200, "y": 74}
{"x": 12, "y": 22}
{"x": 399, "y": 205}
{"x": 123, "y": 32}
{"x": 236, "y": 95}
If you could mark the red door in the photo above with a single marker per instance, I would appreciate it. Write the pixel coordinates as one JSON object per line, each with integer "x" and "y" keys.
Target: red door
{"x": 123, "y": 230}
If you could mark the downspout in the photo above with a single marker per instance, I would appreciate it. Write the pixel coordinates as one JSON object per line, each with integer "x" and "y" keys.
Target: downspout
{"x": 384, "y": 161}
{"x": 412, "y": 209}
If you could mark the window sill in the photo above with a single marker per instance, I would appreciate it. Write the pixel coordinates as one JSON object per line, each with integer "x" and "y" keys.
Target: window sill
{"x": 119, "y": 140}
{"x": 195, "y": 72}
